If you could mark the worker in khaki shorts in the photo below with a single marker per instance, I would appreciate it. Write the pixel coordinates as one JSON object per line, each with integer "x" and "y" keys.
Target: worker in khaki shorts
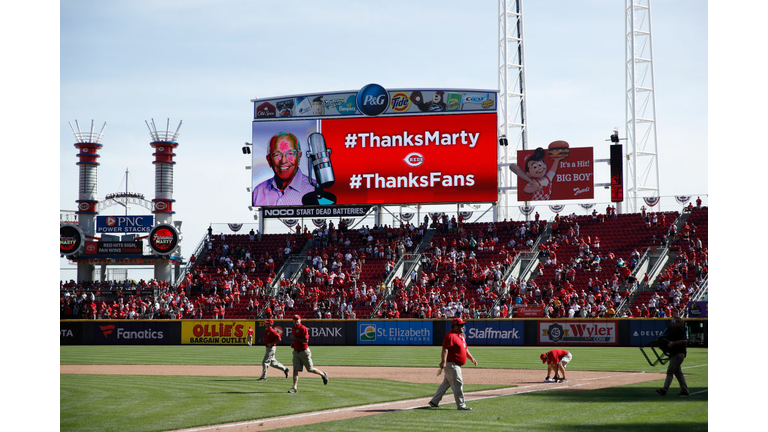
{"x": 271, "y": 339}
{"x": 302, "y": 356}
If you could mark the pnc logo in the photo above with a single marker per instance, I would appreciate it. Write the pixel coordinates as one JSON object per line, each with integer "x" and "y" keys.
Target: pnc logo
{"x": 111, "y": 221}
{"x": 372, "y": 99}
{"x": 414, "y": 159}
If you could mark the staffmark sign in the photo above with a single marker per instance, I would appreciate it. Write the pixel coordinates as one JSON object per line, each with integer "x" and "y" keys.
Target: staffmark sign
{"x": 487, "y": 332}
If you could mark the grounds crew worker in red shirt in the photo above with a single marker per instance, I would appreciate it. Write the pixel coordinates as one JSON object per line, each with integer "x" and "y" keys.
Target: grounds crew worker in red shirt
{"x": 271, "y": 338}
{"x": 452, "y": 358}
{"x": 556, "y": 361}
{"x": 302, "y": 356}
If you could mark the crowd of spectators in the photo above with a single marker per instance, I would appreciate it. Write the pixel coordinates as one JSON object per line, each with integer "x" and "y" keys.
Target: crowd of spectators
{"x": 461, "y": 274}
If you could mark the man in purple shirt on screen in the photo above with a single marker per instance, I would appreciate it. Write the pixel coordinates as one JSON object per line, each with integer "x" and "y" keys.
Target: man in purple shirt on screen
{"x": 289, "y": 184}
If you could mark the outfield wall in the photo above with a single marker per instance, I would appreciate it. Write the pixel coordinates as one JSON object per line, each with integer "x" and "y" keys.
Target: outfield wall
{"x": 481, "y": 332}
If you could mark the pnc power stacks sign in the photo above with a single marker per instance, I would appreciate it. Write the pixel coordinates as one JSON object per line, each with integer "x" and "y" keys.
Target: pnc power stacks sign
{"x": 383, "y": 147}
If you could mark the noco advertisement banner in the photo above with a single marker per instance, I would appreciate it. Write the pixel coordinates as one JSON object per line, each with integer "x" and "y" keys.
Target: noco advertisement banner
{"x": 375, "y": 147}
{"x": 577, "y": 332}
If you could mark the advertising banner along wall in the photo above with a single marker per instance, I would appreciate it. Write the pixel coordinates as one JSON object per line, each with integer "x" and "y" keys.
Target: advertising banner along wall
{"x": 394, "y": 333}
{"x": 577, "y": 332}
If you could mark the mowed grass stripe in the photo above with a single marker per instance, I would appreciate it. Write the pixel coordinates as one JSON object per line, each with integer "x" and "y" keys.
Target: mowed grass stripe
{"x": 634, "y": 407}
{"x": 93, "y": 402}
{"x": 624, "y": 359}
{"x": 152, "y": 403}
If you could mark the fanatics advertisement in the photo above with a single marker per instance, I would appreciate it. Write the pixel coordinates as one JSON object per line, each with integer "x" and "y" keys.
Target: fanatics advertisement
{"x": 376, "y": 160}
{"x": 394, "y": 333}
{"x": 130, "y": 333}
{"x": 556, "y": 173}
{"x": 597, "y": 332}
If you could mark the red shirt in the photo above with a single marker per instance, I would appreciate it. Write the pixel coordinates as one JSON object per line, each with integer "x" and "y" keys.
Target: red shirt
{"x": 556, "y": 355}
{"x": 457, "y": 348}
{"x": 271, "y": 337}
{"x": 302, "y": 332}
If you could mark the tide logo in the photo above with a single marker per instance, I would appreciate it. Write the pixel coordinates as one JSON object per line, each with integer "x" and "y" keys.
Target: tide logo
{"x": 414, "y": 159}
{"x": 400, "y": 102}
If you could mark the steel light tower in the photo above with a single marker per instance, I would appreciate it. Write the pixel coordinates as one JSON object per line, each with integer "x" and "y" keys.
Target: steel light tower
{"x": 512, "y": 115}
{"x": 642, "y": 148}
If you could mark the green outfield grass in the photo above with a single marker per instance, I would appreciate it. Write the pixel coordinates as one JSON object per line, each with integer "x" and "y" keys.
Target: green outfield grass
{"x": 152, "y": 403}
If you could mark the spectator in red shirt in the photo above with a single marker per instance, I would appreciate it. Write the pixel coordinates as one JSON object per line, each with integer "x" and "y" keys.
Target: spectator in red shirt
{"x": 452, "y": 358}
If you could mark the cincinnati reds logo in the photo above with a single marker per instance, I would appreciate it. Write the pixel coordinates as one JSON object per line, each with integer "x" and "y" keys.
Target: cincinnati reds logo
{"x": 83, "y": 206}
{"x": 414, "y": 159}
{"x": 160, "y": 205}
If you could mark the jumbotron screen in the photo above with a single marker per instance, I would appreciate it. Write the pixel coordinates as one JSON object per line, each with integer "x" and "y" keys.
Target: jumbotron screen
{"x": 429, "y": 159}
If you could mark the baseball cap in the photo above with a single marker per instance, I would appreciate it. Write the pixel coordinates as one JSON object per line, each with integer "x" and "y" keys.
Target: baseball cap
{"x": 269, "y": 321}
{"x": 458, "y": 321}
{"x": 543, "y": 357}
{"x": 296, "y": 317}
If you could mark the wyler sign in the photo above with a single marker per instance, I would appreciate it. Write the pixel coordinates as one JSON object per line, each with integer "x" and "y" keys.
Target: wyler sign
{"x": 124, "y": 224}
{"x": 413, "y": 159}
{"x": 594, "y": 332}
{"x": 555, "y": 172}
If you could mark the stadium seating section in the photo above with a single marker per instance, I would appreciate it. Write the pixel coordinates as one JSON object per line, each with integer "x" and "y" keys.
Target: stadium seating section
{"x": 586, "y": 269}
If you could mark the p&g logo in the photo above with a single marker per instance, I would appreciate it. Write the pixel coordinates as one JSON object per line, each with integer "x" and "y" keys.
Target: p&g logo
{"x": 372, "y": 99}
